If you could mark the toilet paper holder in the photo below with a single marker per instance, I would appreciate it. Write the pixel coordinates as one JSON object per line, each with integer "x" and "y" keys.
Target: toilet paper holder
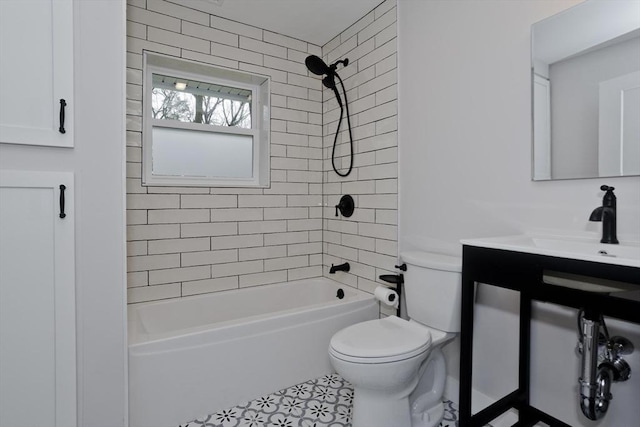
{"x": 398, "y": 280}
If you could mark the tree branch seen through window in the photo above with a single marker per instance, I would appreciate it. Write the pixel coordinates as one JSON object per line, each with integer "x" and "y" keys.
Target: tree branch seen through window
{"x": 170, "y": 104}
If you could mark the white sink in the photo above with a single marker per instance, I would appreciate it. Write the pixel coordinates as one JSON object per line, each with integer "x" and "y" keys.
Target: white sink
{"x": 587, "y": 249}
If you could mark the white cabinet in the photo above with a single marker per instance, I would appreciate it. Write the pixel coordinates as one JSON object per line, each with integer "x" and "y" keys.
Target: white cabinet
{"x": 36, "y": 72}
{"x": 37, "y": 300}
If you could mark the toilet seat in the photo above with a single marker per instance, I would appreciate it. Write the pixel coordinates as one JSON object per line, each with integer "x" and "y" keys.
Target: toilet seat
{"x": 380, "y": 341}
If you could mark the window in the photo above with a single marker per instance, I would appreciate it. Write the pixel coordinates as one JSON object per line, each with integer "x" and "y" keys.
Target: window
{"x": 203, "y": 125}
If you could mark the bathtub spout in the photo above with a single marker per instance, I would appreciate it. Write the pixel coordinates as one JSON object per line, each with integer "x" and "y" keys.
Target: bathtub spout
{"x": 339, "y": 267}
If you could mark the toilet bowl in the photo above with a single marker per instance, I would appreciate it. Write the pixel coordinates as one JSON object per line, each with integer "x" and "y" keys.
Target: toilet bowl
{"x": 385, "y": 359}
{"x": 396, "y": 366}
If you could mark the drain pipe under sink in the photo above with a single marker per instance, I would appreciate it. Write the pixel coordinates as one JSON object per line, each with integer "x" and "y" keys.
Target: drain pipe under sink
{"x": 595, "y": 383}
{"x": 599, "y": 369}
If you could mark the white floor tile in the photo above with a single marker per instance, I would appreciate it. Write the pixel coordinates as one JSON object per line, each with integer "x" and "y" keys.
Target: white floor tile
{"x": 321, "y": 402}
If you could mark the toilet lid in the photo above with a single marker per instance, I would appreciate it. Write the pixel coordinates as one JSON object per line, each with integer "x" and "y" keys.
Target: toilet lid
{"x": 382, "y": 338}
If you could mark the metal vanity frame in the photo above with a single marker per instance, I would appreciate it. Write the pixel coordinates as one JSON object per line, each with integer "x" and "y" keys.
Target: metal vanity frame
{"x": 523, "y": 272}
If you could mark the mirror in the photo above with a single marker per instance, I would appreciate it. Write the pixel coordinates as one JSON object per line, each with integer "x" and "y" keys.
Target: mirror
{"x": 586, "y": 91}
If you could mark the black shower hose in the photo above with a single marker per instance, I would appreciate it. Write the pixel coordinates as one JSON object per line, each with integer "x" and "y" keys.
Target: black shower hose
{"x": 335, "y": 139}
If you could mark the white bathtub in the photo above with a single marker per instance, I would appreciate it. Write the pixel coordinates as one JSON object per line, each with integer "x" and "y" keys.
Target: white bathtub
{"x": 197, "y": 355}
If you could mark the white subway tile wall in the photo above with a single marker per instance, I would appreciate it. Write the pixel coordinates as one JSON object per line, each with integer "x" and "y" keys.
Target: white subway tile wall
{"x": 368, "y": 239}
{"x": 190, "y": 240}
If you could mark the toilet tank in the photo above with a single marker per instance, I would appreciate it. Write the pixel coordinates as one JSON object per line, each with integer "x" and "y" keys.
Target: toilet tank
{"x": 433, "y": 289}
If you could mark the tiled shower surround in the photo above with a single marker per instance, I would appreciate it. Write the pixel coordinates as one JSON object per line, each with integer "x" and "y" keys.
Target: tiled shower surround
{"x": 368, "y": 239}
{"x": 191, "y": 240}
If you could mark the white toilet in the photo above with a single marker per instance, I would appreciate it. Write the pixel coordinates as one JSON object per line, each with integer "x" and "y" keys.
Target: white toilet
{"x": 396, "y": 366}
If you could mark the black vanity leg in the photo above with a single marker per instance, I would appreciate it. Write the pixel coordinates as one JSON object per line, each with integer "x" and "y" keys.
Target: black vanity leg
{"x": 524, "y": 370}
{"x": 466, "y": 350}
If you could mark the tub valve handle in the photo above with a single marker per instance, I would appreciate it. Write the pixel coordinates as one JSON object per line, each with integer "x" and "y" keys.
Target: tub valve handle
{"x": 346, "y": 206}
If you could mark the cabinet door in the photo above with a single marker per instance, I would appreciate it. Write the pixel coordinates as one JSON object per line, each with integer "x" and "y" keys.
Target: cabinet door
{"x": 36, "y": 72}
{"x": 37, "y": 300}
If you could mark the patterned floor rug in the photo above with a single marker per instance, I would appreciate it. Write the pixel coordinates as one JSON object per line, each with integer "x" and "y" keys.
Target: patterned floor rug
{"x": 322, "y": 402}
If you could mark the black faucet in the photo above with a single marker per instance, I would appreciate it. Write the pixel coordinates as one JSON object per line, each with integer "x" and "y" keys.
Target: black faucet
{"x": 607, "y": 214}
{"x": 339, "y": 267}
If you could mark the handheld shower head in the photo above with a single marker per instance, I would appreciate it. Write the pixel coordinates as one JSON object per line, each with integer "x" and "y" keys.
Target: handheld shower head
{"x": 329, "y": 81}
{"x": 317, "y": 66}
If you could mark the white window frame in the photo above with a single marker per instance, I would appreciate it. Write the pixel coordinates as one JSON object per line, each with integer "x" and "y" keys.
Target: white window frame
{"x": 260, "y": 120}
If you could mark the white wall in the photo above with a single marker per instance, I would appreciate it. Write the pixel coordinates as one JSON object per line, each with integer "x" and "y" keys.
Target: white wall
{"x": 465, "y": 171}
{"x": 100, "y": 184}
{"x": 98, "y": 162}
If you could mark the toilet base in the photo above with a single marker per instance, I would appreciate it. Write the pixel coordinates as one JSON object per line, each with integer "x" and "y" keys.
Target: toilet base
{"x": 379, "y": 410}
{"x": 428, "y": 418}
{"x": 375, "y": 410}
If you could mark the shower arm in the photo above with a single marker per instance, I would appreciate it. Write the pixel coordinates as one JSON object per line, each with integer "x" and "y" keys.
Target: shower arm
{"x": 344, "y": 63}
{"x": 335, "y": 139}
